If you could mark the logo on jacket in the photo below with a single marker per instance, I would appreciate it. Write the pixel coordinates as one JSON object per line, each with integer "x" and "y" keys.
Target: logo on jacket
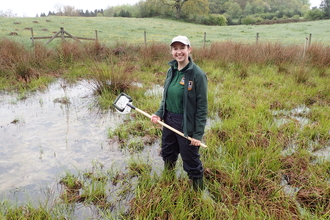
{"x": 182, "y": 81}
{"x": 190, "y": 85}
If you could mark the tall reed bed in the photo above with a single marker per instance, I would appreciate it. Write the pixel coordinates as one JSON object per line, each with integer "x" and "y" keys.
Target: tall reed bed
{"x": 269, "y": 121}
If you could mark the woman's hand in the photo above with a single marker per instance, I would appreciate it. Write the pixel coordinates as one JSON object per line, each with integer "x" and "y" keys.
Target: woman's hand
{"x": 195, "y": 142}
{"x": 155, "y": 118}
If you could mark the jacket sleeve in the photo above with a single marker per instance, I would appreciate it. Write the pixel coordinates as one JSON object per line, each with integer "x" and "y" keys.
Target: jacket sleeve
{"x": 160, "y": 111}
{"x": 201, "y": 107}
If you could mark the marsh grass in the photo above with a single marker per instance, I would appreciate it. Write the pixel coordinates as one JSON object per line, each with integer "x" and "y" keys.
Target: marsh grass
{"x": 111, "y": 78}
{"x": 170, "y": 200}
{"x": 104, "y": 189}
{"x": 268, "y": 111}
{"x": 135, "y": 134}
{"x": 27, "y": 212}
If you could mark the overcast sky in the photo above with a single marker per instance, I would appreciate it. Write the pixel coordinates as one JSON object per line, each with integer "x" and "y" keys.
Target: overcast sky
{"x": 29, "y": 8}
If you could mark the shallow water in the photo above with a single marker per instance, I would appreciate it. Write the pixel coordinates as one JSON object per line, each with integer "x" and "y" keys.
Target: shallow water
{"x": 299, "y": 115}
{"x": 41, "y": 139}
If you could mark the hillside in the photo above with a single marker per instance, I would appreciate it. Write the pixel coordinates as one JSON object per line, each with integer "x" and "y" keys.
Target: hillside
{"x": 131, "y": 30}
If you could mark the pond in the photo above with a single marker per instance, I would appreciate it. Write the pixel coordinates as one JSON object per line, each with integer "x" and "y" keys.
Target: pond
{"x": 51, "y": 132}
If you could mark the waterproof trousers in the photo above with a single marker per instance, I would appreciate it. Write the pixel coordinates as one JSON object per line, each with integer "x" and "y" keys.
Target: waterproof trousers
{"x": 174, "y": 144}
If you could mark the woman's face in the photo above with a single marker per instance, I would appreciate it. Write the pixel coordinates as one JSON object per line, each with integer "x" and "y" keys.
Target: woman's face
{"x": 180, "y": 52}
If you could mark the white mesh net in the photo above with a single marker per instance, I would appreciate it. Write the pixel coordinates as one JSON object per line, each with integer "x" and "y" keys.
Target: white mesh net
{"x": 121, "y": 104}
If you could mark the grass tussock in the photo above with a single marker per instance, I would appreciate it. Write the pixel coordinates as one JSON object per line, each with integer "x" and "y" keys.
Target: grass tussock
{"x": 172, "y": 200}
{"x": 111, "y": 78}
{"x": 268, "y": 125}
{"x": 134, "y": 135}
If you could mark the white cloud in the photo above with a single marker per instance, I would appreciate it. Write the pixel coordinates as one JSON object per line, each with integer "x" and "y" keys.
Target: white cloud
{"x": 30, "y": 8}
{"x": 315, "y": 3}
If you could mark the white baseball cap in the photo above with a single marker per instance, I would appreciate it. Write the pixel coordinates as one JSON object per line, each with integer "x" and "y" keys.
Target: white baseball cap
{"x": 181, "y": 39}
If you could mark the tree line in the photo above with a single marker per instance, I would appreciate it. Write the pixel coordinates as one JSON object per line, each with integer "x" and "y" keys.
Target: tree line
{"x": 209, "y": 12}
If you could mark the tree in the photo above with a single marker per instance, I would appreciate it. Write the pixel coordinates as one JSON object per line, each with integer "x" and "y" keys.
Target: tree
{"x": 233, "y": 9}
{"x": 51, "y": 13}
{"x": 217, "y": 6}
{"x": 325, "y": 7}
{"x": 248, "y": 20}
{"x": 176, "y": 5}
{"x": 70, "y": 11}
{"x": 314, "y": 14}
{"x": 196, "y": 7}
{"x": 241, "y": 3}
{"x": 259, "y": 6}
{"x": 222, "y": 20}
{"x": 124, "y": 13}
{"x": 58, "y": 8}
{"x": 149, "y": 8}
{"x": 248, "y": 9}
{"x": 7, "y": 13}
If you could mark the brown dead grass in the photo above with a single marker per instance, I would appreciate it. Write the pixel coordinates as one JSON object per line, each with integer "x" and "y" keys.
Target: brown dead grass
{"x": 24, "y": 64}
{"x": 296, "y": 170}
{"x": 247, "y": 54}
{"x": 313, "y": 196}
{"x": 264, "y": 53}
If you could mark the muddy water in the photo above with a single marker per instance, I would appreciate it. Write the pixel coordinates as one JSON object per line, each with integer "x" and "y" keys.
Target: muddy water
{"x": 43, "y": 136}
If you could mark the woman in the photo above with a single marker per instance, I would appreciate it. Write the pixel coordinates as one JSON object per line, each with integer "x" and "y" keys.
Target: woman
{"x": 183, "y": 107}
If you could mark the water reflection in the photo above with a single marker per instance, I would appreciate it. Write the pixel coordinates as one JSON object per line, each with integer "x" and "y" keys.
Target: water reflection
{"x": 41, "y": 138}
{"x": 297, "y": 114}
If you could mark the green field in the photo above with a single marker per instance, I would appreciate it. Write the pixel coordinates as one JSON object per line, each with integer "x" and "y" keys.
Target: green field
{"x": 131, "y": 30}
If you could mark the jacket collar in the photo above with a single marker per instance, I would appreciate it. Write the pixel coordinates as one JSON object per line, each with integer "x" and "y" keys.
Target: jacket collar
{"x": 174, "y": 63}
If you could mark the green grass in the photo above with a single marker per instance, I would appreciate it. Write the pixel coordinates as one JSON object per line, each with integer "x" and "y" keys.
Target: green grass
{"x": 131, "y": 30}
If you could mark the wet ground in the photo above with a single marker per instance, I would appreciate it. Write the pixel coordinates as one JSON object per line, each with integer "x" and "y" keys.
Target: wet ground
{"x": 48, "y": 133}
{"x": 51, "y": 132}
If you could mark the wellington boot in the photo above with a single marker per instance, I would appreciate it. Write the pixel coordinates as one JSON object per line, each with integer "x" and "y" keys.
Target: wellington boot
{"x": 169, "y": 165}
{"x": 198, "y": 184}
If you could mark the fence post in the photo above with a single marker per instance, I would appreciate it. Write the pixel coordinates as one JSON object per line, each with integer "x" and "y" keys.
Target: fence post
{"x": 204, "y": 39}
{"x": 145, "y": 38}
{"x": 32, "y": 37}
{"x": 96, "y": 37}
{"x": 310, "y": 40}
{"x": 257, "y": 38}
{"x": 305, "y": 47}
{"x": 62, "y": 33}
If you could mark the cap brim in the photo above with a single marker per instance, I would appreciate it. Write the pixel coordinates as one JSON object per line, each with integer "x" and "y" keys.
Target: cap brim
{"x": 177, "y": 41}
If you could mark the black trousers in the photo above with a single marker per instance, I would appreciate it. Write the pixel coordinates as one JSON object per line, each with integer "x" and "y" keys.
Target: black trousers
{"x": 174, "y": 144}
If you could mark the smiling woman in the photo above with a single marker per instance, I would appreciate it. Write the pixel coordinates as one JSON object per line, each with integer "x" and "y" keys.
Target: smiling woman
{"x": 183, "y": 107}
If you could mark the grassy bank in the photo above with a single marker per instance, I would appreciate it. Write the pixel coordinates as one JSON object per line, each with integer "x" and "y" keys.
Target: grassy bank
{"x": 268, "y": 111}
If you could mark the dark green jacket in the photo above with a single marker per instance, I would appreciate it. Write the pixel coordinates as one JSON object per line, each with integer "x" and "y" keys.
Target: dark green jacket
{"x": 194, "y": 100}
